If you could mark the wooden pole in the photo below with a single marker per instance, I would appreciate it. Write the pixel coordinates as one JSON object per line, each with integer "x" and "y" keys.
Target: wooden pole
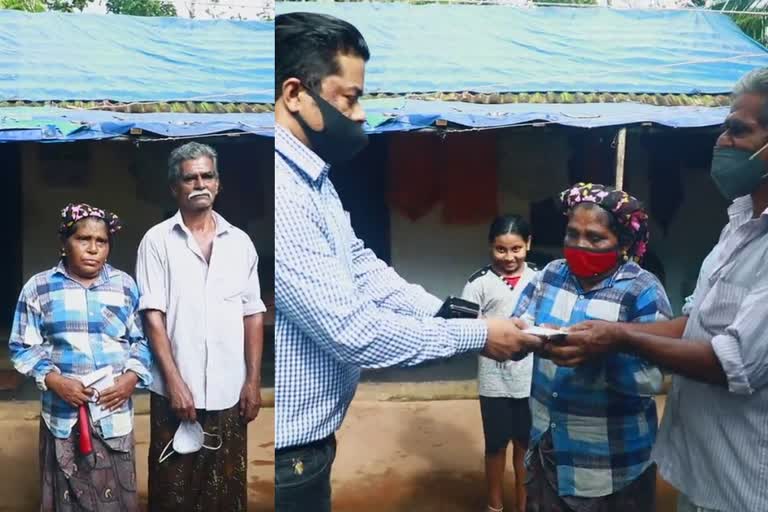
{"x": 621, "y": 150}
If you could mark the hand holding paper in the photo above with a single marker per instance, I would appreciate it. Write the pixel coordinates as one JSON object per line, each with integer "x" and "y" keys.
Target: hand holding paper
{"x": 97, "y": 382}
{"x": 110, "y": 392}
{"x": 545, "y": 332}
{"x": 115, "y": 396}
{"x": 507, "y": 340}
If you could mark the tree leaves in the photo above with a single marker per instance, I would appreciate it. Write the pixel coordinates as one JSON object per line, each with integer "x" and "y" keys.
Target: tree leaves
{"x": 141, "y": 7}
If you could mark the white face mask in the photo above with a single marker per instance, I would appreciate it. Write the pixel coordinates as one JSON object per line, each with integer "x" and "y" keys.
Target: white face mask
{"x": 189, "y": 438}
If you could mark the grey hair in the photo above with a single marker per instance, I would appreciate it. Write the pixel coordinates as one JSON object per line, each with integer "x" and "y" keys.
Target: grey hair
{"x": 755, "y": 82}
{"x": 190, "y": 151}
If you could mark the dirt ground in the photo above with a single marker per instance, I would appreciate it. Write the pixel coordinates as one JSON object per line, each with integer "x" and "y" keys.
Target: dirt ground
{"x": 419, "y": 457}
{"x": 422, "y": 456}
{"x": 19, "y": 487}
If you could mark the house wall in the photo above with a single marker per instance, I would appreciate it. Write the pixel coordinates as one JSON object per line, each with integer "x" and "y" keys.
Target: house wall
{"x": 132, "y": 182}
{"x": 107, "y": 182}
{"x": 441, "y": 257}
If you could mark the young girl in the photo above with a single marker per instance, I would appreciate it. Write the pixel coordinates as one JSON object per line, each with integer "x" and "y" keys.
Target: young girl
{"x": 504, "y": 387}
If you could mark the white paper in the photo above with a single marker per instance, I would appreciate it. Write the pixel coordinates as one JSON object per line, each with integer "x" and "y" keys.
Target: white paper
{"x": 99, "y": 380}
{"x": 546, "y": 332}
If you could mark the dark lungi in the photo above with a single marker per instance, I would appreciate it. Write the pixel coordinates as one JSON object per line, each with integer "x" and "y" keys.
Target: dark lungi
{"x": 104, "y": 481}
{"x": 204, "y": 481}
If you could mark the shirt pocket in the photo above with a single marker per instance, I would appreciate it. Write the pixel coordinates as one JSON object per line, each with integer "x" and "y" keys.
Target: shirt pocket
{"x": 601, "y": 309}
{"x": 232, "y": 301}
{"x": 230, "y": 306}
{"x": 113, "y": 323}
{"x": 721, "y": 304}
{"x": 233, "y": 295}
{"x": 230, "y": 286}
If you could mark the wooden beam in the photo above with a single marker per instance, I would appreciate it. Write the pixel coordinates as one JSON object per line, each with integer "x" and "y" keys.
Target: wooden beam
{"x": 621, "y": 150}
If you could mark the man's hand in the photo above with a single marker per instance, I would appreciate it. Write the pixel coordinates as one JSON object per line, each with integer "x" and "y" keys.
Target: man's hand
{"x": 70, "y": 390}
{"x": 585, "y": 341}
{"x": 250, "y": 401}
{"x": 507, "y": 341}
{"x": 116, "y": 395}
{"x": 182, "y": 403}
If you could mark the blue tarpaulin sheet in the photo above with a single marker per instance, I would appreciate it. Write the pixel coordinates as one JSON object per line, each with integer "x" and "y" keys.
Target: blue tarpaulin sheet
{"x": 406, "y": 115}
{"x": 496, "y": 48}
{"x": 55, "y": 56}
{"x": 58, "y": 125}
{"x": 18, "y": 124}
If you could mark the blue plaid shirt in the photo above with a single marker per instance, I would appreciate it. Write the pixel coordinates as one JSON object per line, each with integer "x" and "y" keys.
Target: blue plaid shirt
{"x": 61, "y": 326}
{"x": 601, "y": 415}
{"x": 338, "y": 307}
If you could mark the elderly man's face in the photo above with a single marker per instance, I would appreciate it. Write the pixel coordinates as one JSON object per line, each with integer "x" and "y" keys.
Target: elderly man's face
{"x": 742, "y": 127}
{"x": 198, "y": 186}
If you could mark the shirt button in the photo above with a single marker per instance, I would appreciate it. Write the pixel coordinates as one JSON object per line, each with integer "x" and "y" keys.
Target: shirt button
{"x": 581, "y": 296}
{"x": 554, "y": 395}
{"x": 553, "y": 425}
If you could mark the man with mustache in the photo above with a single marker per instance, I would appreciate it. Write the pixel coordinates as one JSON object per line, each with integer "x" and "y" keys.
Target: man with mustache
{"x": 200, "y": 297}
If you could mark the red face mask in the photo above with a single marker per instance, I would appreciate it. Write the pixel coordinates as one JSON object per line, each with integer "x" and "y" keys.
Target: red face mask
{"x": 586, "y": 263}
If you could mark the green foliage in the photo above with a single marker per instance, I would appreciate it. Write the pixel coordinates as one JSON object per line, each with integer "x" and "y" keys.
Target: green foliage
{"x": 141, "y": 7}
{"x": 752, "y": 25}
{"x": 67, "y": 5}
{"x": 45, "y": 5}
{"x": 23, "y": 5}
{"x": 132, "y": 7}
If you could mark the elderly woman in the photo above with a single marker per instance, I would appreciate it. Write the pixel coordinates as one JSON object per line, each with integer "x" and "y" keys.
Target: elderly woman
{"x": 594, "y": 425}
{"x": 71, "y": 321}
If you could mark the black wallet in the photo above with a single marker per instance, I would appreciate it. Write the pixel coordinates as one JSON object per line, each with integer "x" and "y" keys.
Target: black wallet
{"x": 454, "y": 307}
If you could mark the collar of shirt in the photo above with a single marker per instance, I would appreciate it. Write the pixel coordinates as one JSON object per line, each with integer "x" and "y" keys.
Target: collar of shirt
{"x": 510, "y": 281}
{"x": 740, "y": 211}
{"x": 106, "y": 273}
{"x": 304, "y": 160}
{"x": 740, "y": 205}
{"x": 222, "y": 225}
{"x": 629, "y": 270}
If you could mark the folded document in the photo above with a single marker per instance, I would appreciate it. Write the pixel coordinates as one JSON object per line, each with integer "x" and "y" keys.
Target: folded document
{"x": 99, "y": 380}
{"x": 545, "y": 332}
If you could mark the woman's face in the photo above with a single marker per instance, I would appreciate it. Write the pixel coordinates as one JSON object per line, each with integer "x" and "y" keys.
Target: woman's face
{"x": 588, "y": 228}
{"x": 508, "y": 253}
{"x": 87, "y": 248}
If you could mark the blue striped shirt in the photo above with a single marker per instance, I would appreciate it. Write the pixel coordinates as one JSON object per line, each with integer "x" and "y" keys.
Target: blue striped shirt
{"x": 338, "y": 307}
{"x": 601, "y": 415}
{"x": 61, "y": 326}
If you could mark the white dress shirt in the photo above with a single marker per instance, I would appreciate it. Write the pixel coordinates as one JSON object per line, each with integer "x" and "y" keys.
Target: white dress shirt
{"x": 712, "y": 444}
{"x": 204, "y": 304}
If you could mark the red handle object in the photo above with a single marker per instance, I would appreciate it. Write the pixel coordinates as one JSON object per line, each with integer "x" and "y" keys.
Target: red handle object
{"x": 86, "y": 446}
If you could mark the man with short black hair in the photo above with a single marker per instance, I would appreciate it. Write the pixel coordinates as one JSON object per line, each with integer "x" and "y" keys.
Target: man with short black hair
{"x": 338, "y": 307}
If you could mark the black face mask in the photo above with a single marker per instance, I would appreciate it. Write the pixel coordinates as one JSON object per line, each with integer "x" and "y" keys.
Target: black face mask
{"x": 340, "y": 139}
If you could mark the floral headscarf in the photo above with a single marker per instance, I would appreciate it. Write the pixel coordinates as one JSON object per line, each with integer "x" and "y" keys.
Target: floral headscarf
{"x": 628, "y": 211}
{"x": 74, "y": 212}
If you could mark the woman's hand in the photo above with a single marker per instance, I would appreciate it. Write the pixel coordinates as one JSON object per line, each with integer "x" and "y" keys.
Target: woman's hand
{"x": 116, "y": 395}
{"x": 70, "y": 390}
